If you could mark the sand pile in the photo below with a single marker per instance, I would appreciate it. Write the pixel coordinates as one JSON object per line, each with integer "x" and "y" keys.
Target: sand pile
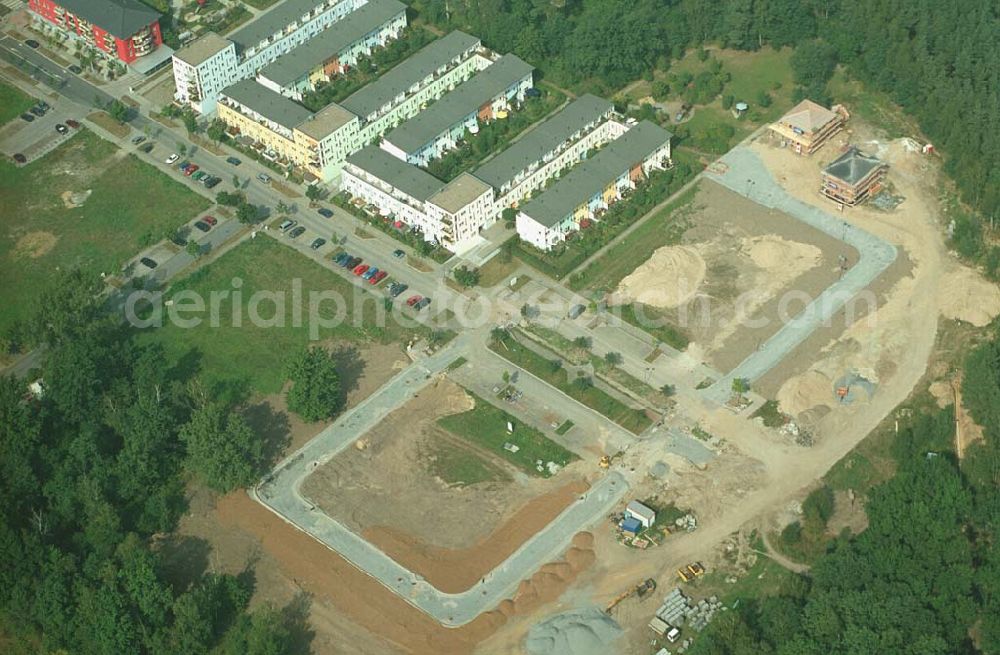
{"x": 586, "y": 631}
{"x": 35, "y": 244}
{"x": 71, "y": 199}
{"x": 668, "y": 279}
{"x": 804, "y": 392}
{"x": 780, "y": 257}
{"x": 965, "y": 296}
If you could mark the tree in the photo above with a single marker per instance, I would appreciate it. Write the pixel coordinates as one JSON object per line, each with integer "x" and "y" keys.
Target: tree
{"x": 193, "y": 248}
{"x": 228, "y": 199}
{"x": 313, "y": 193}
{"x": 216, "y": 130}
{"x": 529, "y": 311}
{"x": 668, "y": 390}
{"x": 498, "y": 335}
{"x": 740, "y": 386}
{"x": 118, "y": 111}
{"x": 222, "y": 449}
{"x": 282, "y": 207}
{"x": 246, "y": 213}
{"x": 236, "y": 181}
{"x": 315, "y": 392}
{"x": 182, "y": 148}
{"x": 467, "y": 277}
{"x": 613, "y": 358}
{"x": 583, "y": 342}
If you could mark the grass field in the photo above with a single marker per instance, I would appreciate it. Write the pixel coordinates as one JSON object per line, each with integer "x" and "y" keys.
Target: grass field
{"x": 487, "y": 426}
{"x": 13, "y": 102}
{"x": 630, "y": 418}
{"x": 462, "y": 467}
{"x": 663, "y": 229}
{"x": 131, "y": 205}
{"x": 237, "y": 359}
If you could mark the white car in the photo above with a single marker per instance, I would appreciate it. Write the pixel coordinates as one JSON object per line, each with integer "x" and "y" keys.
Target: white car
{"x": 172, "y": 158}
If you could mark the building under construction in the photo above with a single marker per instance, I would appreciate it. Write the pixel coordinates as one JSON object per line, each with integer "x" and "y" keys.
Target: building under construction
{"x": 808, "y": 126}
{"x": 854, "y": 176}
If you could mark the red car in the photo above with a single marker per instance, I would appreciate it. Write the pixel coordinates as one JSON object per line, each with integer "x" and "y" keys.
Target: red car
{"x": 413, "y": 300}
{"x": 189, "y": 171}
{"x": 211, "y": 220}
{"x": 378, "y": 277}
{"x": 72, "y": 123}
{"x": 361, "y": 269}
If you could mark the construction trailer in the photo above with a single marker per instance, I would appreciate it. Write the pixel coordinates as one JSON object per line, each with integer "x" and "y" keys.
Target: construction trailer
{"x": 808, "y": 126}
{"x": 645, "y": 515}
{"x": 853, "y": 177}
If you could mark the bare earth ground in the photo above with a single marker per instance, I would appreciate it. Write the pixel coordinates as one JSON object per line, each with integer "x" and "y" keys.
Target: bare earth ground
{"x": 451, "y": 535}
{"x": 724, "y": 285}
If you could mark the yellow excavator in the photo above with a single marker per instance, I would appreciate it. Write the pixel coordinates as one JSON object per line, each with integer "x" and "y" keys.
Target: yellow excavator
{"x": 606, "y": 460}
{"x": 640, "y": 590}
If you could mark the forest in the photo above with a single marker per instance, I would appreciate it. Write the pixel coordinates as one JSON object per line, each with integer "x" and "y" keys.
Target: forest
{"x": 940, "y": 61}
{"x": 96, "y": 469}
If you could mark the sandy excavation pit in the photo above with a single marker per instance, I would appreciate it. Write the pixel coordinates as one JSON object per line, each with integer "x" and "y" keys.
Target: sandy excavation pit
{"x": 388, "y": 493}
{"x": 728, "y": 283}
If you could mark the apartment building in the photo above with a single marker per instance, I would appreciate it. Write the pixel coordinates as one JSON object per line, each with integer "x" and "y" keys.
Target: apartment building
{"x": 549, "y": 147}
{"x": 450, "y": 214}
{"x": 399, "y": 94}
{"x": 122, "y": 29}
{"x": 212, "y": 63}
{"x": 285, "y": 131}
{"x": 807, "y": 126}
{"x": 590, "y": 188}
{"x": 336, "y": 49}
{"x": 433, "y": 132}
{"x": 404, "y": 90}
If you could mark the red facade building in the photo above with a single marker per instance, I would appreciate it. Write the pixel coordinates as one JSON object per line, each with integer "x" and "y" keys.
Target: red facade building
{"x": 124, "y": 29}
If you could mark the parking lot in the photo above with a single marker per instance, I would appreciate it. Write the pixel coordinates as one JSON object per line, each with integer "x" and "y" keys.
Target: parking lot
{"x": 36, "y": 137}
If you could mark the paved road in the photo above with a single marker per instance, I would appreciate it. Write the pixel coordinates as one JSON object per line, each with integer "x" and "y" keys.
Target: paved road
{"x": 747, "y": 175}
{"x": 280, "y": 493}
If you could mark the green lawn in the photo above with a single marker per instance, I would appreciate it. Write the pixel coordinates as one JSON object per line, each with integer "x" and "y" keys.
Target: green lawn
{"x": 238, "y": 359}
{"x": 630, "y": 418}
{"x": 461, "y": 467}
{"x": 486, "y": 425}
{"x": 13, "y": 102}
{"x": 131, "y": 205}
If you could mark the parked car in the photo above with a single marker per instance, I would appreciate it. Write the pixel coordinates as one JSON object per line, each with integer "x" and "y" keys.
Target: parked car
{"x": 361, "y": 269}
{"x": 324, "y": 212}
{"x": 171, "y": 159}
{"x": 287, "y": 224}
{"x": 44, "y": 106}
{"x": 378, "y": 277}
{"x": 317, "y": 243}
{"x": 423, "y": 302}
{"x": 37, "y": 111}
{"x": 148, "y": 263}
{"x": 370, "y": 273}
{"x": 31, "y": 43}
{"x": 61, "y": 129}
{"x": 340, "y": 258}
{"x": 76, "y": 70}
{"x": 211, "y": 220}
{"x": 148, "y": 148}
{"x": 177, "y": 239}
{"x": 183, "y": 165}
{"x": 72, "y": 123}
{"x": 263, "y": 177}
{"x": 197, "y": 176}
{"x": 211, "y": 182}
{"x": 20, "y": 159}
{"x": 202, "y": 225}
{"x": 397, "y": 288}
{"x": 136, "y": 140}
{"x": 234, "y": 161}
{"x": 297, "y": 232}
{"x": 190, "y": 170}
{"x": 27, "y": 117}
{"x": 413, "y": 300}
{"x": 398, "y": 254}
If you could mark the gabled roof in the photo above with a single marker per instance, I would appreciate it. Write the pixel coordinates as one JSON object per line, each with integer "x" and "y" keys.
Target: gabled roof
{"x": 543, "y": 139}
{"x": 301, "y": 60}
{"x": 636, "y": 508}
{"x": 413, "y": 70}
{"x": 411, "y": 180}
{"x": 808, "y": 116}
{"x": 463, "y": 100}
{"x": 852, "y": 166}
{"x": 122, "y": 18}
{"x": 590, "y": 177}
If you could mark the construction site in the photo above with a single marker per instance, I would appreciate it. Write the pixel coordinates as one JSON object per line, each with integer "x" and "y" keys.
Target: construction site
{"x": 414, "y": 537}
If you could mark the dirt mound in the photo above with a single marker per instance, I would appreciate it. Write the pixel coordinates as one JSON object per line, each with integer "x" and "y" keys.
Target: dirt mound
{"x": 587, "y": 631}
{"x": 965, "y": 296}
{"x": 668, "y": 279}
{"x": 35, "y": 244}
{"x": 75, "y": 199}
{"x": 776, "y": 255}
{"x": 805, "y": 392}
